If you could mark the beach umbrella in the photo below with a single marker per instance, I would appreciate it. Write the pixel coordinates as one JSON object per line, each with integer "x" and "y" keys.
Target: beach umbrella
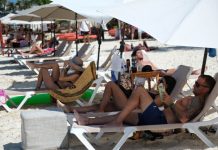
{"x": 26, "y": 17}
{"x": 31, "y": 18}
{"x": 88, "y": 9}
{"x": 7, "y": 20}
{"x": 174, "y": 22}
{"x": 55, "y": 12}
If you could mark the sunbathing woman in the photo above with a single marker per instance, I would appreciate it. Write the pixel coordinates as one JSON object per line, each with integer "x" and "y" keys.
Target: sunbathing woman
{"x": 114, "y": 99}
{"x": 39, "y": 49}
{"x": 58, "y": 79}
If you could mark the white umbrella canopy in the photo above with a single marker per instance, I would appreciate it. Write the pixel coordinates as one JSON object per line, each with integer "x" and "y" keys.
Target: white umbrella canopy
{"x": 87, "y": 9}
{"x": 174, "y": 22}
{"x": 7, "y": 20}
{"x": 52, "y": 11}
{"x": 26, "y": 17}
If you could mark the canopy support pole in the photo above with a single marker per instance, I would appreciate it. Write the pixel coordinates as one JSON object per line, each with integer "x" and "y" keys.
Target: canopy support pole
{"x": 76, "y": 36}
{"x": 99, "y": 45}
{"x": 204, "y": 61}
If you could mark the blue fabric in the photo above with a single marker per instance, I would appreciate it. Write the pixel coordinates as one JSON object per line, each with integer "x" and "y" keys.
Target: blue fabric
{"x": 212, "y": 52}
{"x": 151, "y": 116}
{"x": 113, "y": 76}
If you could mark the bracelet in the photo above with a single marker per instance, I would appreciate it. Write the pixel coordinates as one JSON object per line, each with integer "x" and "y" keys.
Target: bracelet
{"x": 168, "y": 106}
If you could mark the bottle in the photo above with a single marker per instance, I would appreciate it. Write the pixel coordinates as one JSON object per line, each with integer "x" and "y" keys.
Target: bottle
{"x": 161, "y": 90}
{"x": 132, "y": 47}
{"x": 134, "y": 69}
{"x": 127, "y": 65}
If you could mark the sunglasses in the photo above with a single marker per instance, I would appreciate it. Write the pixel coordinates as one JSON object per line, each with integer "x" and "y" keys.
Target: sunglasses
{"x": 198, "y": 85}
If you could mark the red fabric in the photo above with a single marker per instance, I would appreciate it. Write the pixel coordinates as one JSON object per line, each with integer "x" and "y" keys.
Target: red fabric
{"x": 48, "y": 50}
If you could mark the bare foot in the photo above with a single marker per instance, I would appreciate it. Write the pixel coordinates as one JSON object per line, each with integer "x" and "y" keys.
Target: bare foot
{"x": 80, "y": 119}
{"x": 62, "y": 106}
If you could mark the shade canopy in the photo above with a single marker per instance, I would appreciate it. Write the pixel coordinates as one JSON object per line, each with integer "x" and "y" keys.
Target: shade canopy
{"x": 26, "y": 17}
{"x": 174, "y": 22}
{"x": 52, "y": 11}
{"x": 89, "y": 8}
{"x": 7, "y": 20}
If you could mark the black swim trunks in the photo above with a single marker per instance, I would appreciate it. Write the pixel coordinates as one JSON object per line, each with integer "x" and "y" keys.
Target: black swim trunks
{"x": 151, "y": 116}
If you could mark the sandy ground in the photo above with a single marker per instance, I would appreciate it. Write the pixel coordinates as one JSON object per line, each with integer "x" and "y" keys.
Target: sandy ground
{"x": 13, "y": 76}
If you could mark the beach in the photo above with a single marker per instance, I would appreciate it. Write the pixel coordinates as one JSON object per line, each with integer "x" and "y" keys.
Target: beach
{"x": 16, "y": 77}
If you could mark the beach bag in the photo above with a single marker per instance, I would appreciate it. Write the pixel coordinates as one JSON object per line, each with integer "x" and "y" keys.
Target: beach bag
{"x": 212, "y": 52}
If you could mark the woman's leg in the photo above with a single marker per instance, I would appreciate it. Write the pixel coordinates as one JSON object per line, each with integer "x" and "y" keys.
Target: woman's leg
{"x": 84, "y": 109}
{"x": 113, "y": 90}
{"x": 48, "y": 80}
{"x": 39, "y": 81}
{"x": 53, "y": 66}
{"x": 83, "y": 120}
{"x": 139, "y": 98}
{"x": 36, "y": 49}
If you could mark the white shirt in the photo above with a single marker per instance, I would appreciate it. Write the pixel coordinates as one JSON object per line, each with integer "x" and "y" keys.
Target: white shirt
{"x": 84, "y": 26}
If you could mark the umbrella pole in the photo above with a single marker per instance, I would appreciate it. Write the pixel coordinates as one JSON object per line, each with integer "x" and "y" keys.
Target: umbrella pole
{"x": 76, "y": 36}
{"x": 51, "y": 28}
{"x": 54, "y": 38}
{"x": 99, "y": 46}
{"x": 42, "y": 32}
{"x": 204, "y": 61}
{"x": 30, "y": 33}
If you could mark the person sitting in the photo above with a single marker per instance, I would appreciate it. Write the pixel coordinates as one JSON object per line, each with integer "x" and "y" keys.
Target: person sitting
{"x": 181, "y": 111}
{"x": 115, "y": 99}
{"x": 142, "y": 60}
{"x": 58, "y": 79}
{"x": 85, "y": 29}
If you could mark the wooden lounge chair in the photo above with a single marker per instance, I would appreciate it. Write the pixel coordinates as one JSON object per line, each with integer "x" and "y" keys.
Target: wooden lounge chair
{"x": 192, "y": 126}
{"x": 86, "y": 79}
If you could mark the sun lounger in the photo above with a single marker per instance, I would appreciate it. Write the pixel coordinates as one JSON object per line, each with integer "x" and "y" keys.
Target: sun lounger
{"x": 181, "y": 75}
{"x": 4, "y": 97}
{"x": 62, "y": 52}
{"x": 104, "y": 68}
{"x": 192, "y": 126}
{"x": 84, "y": 82}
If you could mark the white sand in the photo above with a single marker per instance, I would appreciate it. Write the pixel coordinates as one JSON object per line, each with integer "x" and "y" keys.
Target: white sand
{"x": 13, "y": 76}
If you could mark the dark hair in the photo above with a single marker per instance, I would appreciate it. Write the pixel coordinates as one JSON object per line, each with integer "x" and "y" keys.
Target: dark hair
{"x": 210, "y": 81}
{"x": 170, "y": 82}
{"x": 146, "y": 68}
{"x": 137, "y": 48}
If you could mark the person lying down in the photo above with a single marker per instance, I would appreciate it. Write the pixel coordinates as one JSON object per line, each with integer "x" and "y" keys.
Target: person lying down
{"x": 180, "y": 111}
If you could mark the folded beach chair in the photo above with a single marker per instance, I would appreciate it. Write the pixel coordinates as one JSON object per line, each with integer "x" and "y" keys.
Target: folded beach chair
{"x": 88, "y": 54}
{"x": 192, "y": 126}
{"x": 104, "y": 67}
{"x": 84, "y": 82}
{"x": 181, "y": 75}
